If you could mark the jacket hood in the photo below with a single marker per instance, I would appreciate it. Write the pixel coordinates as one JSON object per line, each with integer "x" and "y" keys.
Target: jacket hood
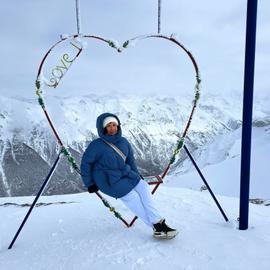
{"x": 99, "y": 126}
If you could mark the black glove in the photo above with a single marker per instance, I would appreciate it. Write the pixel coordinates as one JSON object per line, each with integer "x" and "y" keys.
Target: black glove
{"x": 92, "y": 188}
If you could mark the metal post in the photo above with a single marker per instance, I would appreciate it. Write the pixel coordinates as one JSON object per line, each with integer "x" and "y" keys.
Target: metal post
{"x": 78, "y": 17}
{"x": 159, "y": 15}
{"x": 205, "y": 182}
{"x": 36, "y": 199}
{"x": 247, "y": 112}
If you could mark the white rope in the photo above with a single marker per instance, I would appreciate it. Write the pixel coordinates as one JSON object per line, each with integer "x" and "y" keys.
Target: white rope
{"x": 78, "y": 17}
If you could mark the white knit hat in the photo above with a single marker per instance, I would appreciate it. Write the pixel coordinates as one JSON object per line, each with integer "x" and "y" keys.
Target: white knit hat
{"x": 108, "y": 120}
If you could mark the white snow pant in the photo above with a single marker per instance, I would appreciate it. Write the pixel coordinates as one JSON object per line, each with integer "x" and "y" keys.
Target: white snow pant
{"x": 139, "y": 200}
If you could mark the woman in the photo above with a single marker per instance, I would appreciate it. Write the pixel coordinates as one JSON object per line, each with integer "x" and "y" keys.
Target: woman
{"x": 108, "y": 165}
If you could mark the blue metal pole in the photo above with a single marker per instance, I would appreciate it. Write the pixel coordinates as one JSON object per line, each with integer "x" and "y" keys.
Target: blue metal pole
{"x": 205, "y": 182}
{"x": 247, "y": 112}
{"x": 36, "y": 199}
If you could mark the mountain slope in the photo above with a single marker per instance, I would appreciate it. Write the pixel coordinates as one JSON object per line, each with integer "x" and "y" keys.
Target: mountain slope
{"x": 152, "y": 124}
{"x": 228, "y": 161}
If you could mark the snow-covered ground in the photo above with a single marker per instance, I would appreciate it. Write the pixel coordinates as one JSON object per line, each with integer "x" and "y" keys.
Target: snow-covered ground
{"x": 83, "y": 234}
{"x": 224, "y": 177}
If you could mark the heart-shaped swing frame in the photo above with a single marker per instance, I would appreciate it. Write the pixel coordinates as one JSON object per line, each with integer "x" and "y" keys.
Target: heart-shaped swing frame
{"x": 58, "y": 73}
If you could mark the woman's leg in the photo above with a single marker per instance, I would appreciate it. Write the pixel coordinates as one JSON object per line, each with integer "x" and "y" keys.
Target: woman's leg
{"x": 132, "y": 201}
{"x": 147, "y": 201}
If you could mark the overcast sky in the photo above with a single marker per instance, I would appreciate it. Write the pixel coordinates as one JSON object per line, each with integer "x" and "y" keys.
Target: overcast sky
{"x": 214, "y": 31}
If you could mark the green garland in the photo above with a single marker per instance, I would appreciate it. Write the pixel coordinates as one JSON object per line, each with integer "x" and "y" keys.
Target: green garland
{"x": 70, "y": 159}
{"x": 181, "y": 141}
{"x": 178, "y": 148}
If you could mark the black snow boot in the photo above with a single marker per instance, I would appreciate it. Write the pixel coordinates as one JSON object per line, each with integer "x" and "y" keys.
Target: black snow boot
{"x": 163, "y": 231}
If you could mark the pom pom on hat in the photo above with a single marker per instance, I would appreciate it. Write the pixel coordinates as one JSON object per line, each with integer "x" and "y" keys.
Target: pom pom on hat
{"x": 108, "y": 120}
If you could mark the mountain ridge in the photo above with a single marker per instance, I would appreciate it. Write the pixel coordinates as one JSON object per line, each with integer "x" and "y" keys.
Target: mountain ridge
{"x": 150, "y": 123}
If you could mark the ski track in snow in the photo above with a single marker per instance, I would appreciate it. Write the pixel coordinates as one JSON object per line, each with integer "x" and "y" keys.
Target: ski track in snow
{"x": 85, "y": 235}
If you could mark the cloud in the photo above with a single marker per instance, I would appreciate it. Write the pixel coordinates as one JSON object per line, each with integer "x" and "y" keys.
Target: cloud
{"x": 214, "y": 33}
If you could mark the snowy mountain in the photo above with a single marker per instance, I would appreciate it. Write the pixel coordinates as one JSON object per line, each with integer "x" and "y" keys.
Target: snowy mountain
{"x": 228, "y": 153}
{"x": 153, "y": 124}
{"x": 78, "y": 232}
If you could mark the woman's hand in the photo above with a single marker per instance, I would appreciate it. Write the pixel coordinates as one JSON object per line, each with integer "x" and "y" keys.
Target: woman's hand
{"x": 93, "y": 188}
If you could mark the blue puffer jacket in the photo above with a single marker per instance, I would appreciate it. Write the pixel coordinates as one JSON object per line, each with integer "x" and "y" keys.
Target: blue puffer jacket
{"x": 103, "y": 166}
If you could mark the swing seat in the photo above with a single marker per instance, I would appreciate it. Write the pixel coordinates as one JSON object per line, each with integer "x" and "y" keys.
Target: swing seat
{"x": 153, "y": 180}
